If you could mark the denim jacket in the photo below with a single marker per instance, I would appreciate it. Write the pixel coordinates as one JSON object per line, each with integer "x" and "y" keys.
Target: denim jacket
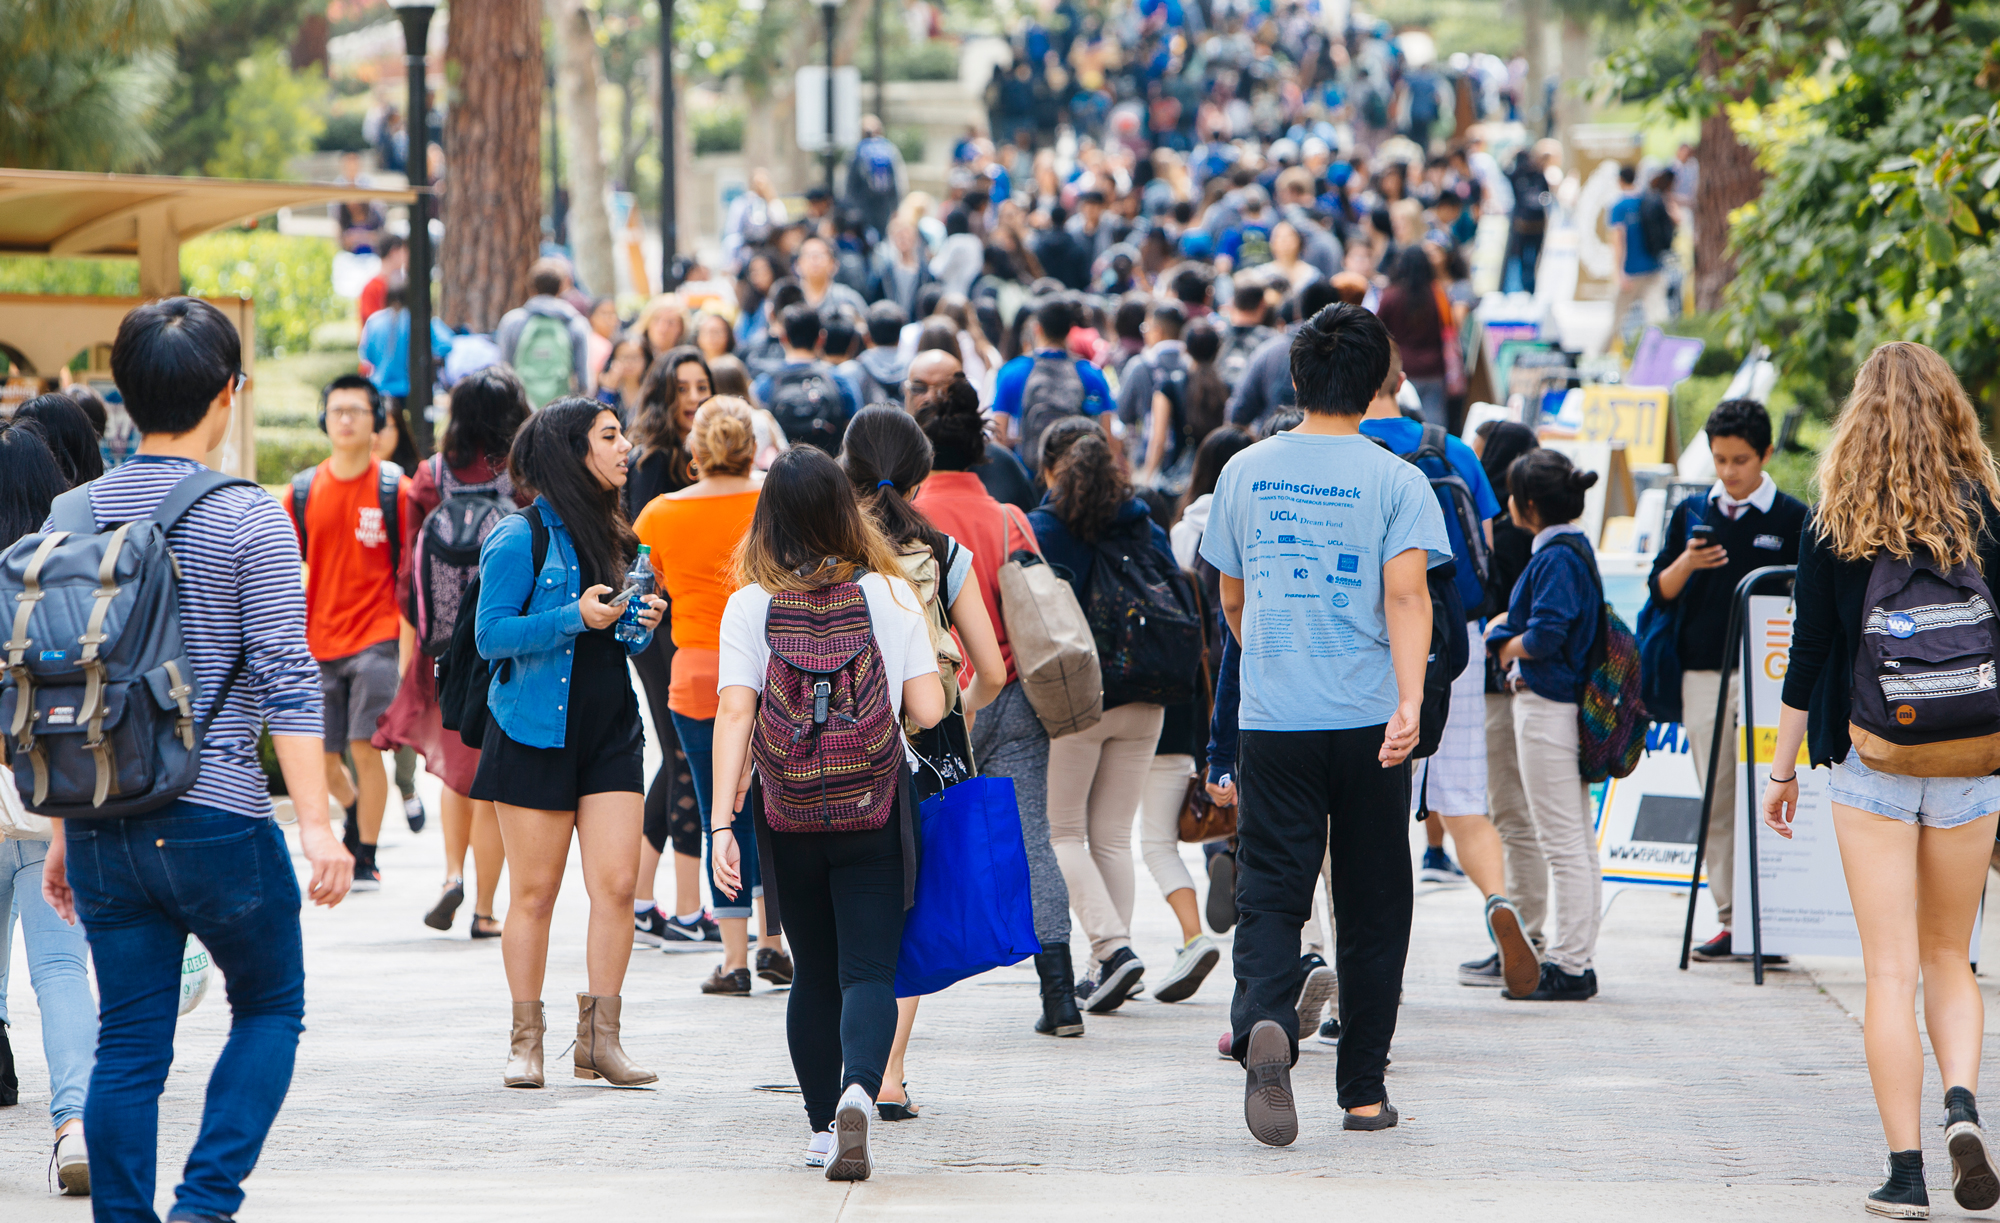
{"x": 530, "y": 699}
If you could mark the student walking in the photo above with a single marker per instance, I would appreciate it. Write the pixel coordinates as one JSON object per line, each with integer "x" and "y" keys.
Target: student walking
{"x": 660, "y": 463}
{"x": 1325, "y": 732}
{"x": 564, "y": 752}
{"x": 816, "y": 569}
{"x": 1097, "y": 775}
{"x": 1544, "y": 642}
{"x": 1713, "y": 543}
{"x": 886, "y": 457}
{"x": 464, "y": 484}
{"x": 694, "y": 534}
{"x": 346, "y": 512}
{"x": 1008, "y": 740}
{"x": 211, "y": 863}
{"x": 1908, "y": 496}
{"x": 31, "y": 477}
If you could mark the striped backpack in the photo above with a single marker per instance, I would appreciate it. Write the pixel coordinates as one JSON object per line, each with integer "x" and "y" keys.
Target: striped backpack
{"x": 1610, "y": 716}
{"x": 826, "y": 744}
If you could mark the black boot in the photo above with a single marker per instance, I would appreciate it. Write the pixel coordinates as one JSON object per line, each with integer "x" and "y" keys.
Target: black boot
{"x": 10, "y": 1087}
{"x": 1060, "y": 1017}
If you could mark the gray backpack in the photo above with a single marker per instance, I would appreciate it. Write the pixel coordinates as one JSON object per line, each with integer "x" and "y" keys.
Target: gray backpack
{"x": 1054, "y": 390}
{"x": 98, "y": 697}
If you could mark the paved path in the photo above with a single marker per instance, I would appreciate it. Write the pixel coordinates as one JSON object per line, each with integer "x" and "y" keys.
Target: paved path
{"x": 1673, "y": 1095}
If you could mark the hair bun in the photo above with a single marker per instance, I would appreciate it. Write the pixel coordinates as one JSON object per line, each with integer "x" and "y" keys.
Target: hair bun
{"x": 1581, "y": 480}
{"x": 724, "y": 438}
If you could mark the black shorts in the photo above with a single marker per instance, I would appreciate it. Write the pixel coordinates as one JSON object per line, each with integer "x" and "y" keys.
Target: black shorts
{"x": 604, "y": 746}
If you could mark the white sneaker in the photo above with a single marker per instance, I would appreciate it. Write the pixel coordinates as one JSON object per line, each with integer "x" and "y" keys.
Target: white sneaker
{"x": 849, "y": 1159}
{"x": 1320, "y": 988}
{"x": 1191, "y": 966}
{"x": 72, "y": 1165}
{"x": 819, "y": 1149}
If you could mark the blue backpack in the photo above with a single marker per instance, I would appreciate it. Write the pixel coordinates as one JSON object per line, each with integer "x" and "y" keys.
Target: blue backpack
{"x": 1461, "y": 519}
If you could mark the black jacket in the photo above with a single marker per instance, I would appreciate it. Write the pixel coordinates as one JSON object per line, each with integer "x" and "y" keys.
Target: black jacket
{"x": 1753, "y": 540}
{"x": 1826, "y": 630}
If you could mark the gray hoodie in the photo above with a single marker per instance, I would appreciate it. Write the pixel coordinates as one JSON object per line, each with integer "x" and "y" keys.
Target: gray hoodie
{"x": 509, "y": 333}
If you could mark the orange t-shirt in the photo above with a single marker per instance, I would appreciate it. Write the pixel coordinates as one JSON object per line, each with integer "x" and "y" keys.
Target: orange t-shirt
{"x": 350, "y": 570}
{"x": 694, "y": 551}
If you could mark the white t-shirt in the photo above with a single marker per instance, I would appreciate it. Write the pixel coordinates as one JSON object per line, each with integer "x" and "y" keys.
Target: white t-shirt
{"x": 900, "y": 633}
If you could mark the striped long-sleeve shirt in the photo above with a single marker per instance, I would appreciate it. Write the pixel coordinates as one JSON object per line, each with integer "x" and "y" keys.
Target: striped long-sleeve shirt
{"x": 239, "y": 593}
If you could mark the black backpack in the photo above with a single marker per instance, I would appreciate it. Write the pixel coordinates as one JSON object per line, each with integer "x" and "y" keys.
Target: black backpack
{"x": 1053, "y": 390}
{"x": 447, "y": 559}
{"x": 1234, "y": 359}
{"x": 1461, "y": 520}
{"x": 1926, "y": 696}
{"x": 463, "y": 676}
{"x": 1451, "y": 650}
{"x": 388, "y": 494}
{"x": 807, "y": 403}
{"x": 1146, "y": 619}
{"x": 1656, "y": 224}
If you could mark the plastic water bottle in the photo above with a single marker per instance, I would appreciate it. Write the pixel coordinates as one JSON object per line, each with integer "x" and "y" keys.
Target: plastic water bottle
{"x": 638, "y": 584}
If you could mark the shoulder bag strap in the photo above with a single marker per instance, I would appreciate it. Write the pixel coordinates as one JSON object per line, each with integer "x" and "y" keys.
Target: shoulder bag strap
{"x": 194, "y": 487}
{"x": 302, "y": 484}
{"x": 538, "y": 551}
{"x": 71, "y": 512}
{"x": 389, "y": 495}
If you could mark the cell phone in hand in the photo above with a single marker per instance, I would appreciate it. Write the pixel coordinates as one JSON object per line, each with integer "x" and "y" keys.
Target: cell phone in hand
{"x": 1701, "y": 533}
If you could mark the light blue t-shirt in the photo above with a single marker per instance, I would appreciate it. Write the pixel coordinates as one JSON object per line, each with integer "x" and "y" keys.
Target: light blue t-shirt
{"x": 1306, "y": 521}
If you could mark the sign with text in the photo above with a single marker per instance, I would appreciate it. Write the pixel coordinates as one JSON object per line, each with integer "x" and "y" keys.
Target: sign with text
{"x": 1648, "y": 822}
{"x": 1640, "y": 416}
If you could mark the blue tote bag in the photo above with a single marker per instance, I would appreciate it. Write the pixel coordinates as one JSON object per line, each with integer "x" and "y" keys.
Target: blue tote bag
{"x": 973, "y": 911}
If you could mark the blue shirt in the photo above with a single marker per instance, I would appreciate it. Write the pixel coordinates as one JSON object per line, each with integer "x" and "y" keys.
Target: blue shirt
{"x": 1638, "y": 260}
{"x": 1554, "y": 612}
{"x": 1405, "y": 435}
{"x": 1014, "y": 376}
{"x": 1307, "y": 521}
{"x": 385, "y": 345}
{"x": 850, "y": 394}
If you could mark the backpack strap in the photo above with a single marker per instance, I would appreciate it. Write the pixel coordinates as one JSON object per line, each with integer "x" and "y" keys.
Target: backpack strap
{"x": 301, "y": 492}
{"x": 389, "y": 494}
{"x": 1432, "y": 444}
{"x": 192, "y": 488}
{"x": 538, "y": 550}
{"x": 1600, "y": 645}
{"x": 71, "y": 512}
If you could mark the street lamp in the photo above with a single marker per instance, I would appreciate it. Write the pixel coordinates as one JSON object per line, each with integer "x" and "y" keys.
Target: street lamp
{"x": 669, "y": 182}
{"x": 416, "y": 18}
{"x": 828, "y": 9}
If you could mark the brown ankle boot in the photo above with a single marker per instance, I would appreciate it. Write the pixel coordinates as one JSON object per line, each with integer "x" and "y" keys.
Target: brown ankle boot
{"x": 598, "y": 1054}
{"x": 524, "y": 1056}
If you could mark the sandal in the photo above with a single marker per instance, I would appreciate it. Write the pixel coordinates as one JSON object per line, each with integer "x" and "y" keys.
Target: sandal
{"x": 453, "y": 895}
{"x": 485, "y": 926}
{"x": 898, "y": 1110}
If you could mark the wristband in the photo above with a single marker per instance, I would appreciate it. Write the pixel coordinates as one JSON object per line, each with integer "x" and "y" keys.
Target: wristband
{"x": 714, "y": 832}
{"x": 1785, "y": 781}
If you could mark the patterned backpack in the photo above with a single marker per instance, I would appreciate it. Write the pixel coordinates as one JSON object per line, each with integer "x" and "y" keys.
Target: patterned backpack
{"x": 1610, "y": 716}
{"x": 827, "y": 746}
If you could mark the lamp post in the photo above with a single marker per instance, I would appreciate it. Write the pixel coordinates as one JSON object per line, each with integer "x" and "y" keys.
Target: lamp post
{"x": 669, "y": 219}
{"x": 829, "y": 9}
{"x": 416, "y": 18}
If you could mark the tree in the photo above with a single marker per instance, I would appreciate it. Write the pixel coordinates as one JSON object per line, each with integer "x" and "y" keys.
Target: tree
{"x": 493, "y": 198}
{"x": 193, "y": 123}
{"x": 576, "y": 87}
{"x": 79, "y": 83}
{"x": 273, "y": 115}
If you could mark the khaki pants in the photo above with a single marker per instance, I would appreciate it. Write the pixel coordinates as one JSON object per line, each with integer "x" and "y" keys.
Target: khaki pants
{"x": 1096, "y": 778}
{"x": 1160, "y": 821}
{"x": 1698, "y": 692}
{"x": 1649, "y": 290}
{"x": 1507, "y": 807}
{"x": 1545, "y": 745}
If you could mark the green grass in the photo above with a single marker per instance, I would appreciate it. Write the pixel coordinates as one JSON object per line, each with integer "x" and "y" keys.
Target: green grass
{"x": 288, "y": 436}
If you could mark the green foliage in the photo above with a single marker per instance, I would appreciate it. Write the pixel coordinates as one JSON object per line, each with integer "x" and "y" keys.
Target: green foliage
{"x": 80, "y": 80}
{"x": 929, "y": 61}
{"x": 72, "y": 277}
{"x": 909, "y": 141}
{"x": 290, "y": 278}
{"x": 273, "y": 115}
{"x": 342, "y": 134}
{"x": 717, "y": 131}
{"x": 193, "y": 124}
{"x": 287, "y": 449}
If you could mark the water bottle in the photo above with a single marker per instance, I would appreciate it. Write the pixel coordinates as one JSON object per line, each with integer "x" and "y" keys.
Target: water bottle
{"x": 638, "y": 584}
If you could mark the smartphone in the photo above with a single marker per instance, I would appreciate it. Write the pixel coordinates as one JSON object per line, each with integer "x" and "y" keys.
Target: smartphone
{"x": 1701, "y": 533}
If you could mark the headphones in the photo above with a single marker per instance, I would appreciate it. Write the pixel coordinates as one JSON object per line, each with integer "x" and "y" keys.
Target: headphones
{"x": 355, "y": 382}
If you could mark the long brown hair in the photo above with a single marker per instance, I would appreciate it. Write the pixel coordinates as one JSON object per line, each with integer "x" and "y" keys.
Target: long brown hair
{"x": 1087, "y": 490}
{"x": 550, "y": 458}
{"x": 1906, "y": 452}
{"x": 809, "y": 530}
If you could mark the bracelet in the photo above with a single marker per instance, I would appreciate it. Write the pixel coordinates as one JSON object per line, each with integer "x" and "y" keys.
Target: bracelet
{"x": 1785, "y": 781}
{"x": 715, "y": 832}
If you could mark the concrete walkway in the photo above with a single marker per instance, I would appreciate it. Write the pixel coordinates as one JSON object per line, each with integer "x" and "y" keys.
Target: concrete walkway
{"x": 1672, "y": 1096}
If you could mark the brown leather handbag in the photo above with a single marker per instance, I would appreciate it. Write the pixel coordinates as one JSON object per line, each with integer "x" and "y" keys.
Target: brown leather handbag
{"x": 1202, "y": 818}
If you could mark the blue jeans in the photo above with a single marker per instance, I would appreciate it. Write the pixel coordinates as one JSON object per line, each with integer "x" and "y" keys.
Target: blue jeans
{"x": 143, "y": 885}
{"x": 58, "y": 966}
{"x": 697, "y": 737}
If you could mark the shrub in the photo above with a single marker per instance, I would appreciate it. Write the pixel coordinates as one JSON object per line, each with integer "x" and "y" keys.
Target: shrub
{"x": 343, "y": 134}
{"x": 909, "y": 141}
{"x": 280, "y": 452}
{"x": 933, "y": 60}
{"x": 718, "y": 131}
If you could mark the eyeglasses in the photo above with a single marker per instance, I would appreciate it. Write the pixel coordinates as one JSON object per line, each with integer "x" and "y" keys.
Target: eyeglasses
{"x": 349, "y": 413}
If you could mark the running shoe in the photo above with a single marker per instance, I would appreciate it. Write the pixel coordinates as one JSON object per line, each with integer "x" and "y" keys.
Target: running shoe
{"x": 1319, "y": 988}
{"x": 366, "y": 878}
{"x": 413, "y": 811}
{"x": 774, "y": 966}
{"x": 649, "y": 929}
{"x": 1191, "y": 966}
{"x": 676, "y": 935}
{"x": 1116, "y": 981}
{"x": 1439, "y": 868}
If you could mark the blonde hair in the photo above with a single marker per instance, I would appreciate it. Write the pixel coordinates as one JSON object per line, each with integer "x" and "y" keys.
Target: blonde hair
{"x": 1905, "y": 452}
{"x": 723, "y": 439}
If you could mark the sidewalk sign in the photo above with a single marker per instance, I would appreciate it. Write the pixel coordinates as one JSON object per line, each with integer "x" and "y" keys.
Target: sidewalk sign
{"x": 1647, "y": 823}
{"x": 1640, "y": 416}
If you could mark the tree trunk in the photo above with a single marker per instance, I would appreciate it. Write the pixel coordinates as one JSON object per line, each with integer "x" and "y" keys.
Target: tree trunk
{"x": 1729, "y": 179}
{"x": 576, "y": 90}
{"x": 493, "y": 191}
{"x": 1535, "y": 42}
{"x": 1573, "y": 72}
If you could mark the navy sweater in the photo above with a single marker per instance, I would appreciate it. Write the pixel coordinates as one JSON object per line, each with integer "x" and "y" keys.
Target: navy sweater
{"x": 1554, "y": 612}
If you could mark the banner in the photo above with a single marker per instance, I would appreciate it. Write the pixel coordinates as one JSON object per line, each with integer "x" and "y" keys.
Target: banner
{"x": 1647, "y": 823}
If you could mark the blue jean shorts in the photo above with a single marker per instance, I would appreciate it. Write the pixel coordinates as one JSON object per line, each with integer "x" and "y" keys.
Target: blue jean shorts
{"x": 1934, "y": 802}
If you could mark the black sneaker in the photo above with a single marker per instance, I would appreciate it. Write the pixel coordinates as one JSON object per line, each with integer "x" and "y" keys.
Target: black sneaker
{"x": 350, "y": 835}
{"x": 1558, "y": 986}
{"x": 1329, "y": 1032}
{"x": 734, "y": 984}
{"x": 1974, "y": 1185}
{"x": 1221, "y": 904}
{"x": 1902, "y": 1195}
{"x": 678, "y": 936}
{"x": 1484, "y": 972}
{"x": 1717, "y": 948}
{"x": 1116, "y": 981}
{"x": 774, "y": 966}
{"x": 413, "y": 811}
{"x": 441, "y": 914}
{"x": 366, "y": 877}
{"x": 649, "y": 929}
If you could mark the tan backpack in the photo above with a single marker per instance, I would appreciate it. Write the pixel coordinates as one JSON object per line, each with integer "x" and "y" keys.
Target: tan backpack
{"x": 1055, "y": 654}
{"x": 921, "y": 568}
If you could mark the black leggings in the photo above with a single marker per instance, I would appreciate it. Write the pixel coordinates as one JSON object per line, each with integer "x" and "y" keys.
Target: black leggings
{"x": 841, "y": 897}
{"x": 671, "y": 813}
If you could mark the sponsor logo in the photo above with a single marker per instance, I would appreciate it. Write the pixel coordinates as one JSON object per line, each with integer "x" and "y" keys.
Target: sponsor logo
{"x": 1349, "y": 562}
{"x": 1283, "y": 516}
{"x": 1347, "y": 581}
{"x": 53, "y": 655}
{"x": 1769, "y": 542}
{"x": 1301, "y": 574}
{"x": 1905, "y": 714}
{"x": 1900, "y": 625}
{"x": 1340, "y": 598}
{"x": 1305, "y": 490}
{"x": 62, "y": 715}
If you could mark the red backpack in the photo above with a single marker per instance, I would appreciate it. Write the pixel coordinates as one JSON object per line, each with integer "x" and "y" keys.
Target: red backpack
{"x": 827, "y": 745}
